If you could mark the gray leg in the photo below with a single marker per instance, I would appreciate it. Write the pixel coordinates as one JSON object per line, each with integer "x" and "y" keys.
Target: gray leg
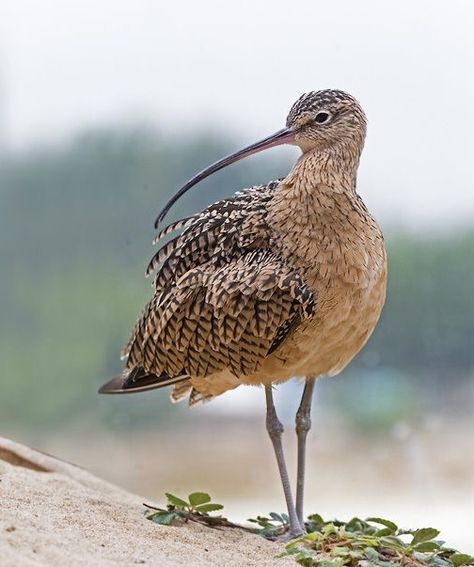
{"x": 275, "y": 430}
{"x": 303, "y": 425}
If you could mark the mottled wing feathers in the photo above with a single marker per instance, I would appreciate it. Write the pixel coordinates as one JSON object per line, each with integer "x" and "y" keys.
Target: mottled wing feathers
{"x": 223, "y": 299}
{"x": 213, "y": 318}
{"x": 238, "y": 222}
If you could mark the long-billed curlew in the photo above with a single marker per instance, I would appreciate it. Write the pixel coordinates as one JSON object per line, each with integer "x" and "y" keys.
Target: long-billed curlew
{"x": 281, "y": 280}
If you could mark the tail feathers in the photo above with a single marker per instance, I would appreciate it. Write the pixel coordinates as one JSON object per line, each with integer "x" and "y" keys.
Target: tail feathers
{"x": 197, "y": 397}
{"x": 180, "y": 390}
{"x": 137, "y": 380}
{"x": 185, "y": 389}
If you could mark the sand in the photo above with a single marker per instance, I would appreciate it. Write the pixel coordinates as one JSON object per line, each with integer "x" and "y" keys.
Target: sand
{"x": 53, "y": 513}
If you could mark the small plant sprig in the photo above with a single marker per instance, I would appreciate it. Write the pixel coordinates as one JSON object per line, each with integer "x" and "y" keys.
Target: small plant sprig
{"x": 179, "y": 511}
{"x": 374, "y": 542}
{"x": 272, "y": 526}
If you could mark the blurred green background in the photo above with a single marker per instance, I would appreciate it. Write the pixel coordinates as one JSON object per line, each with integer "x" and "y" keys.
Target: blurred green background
{"x": 75, "y": 228}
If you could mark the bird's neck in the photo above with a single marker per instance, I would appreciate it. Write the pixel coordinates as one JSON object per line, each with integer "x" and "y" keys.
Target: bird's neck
{"x": 316, "y": 208}
{"x": 334, "y": 167}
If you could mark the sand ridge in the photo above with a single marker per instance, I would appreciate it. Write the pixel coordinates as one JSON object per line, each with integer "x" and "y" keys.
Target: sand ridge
{"x": 53, "y": 513}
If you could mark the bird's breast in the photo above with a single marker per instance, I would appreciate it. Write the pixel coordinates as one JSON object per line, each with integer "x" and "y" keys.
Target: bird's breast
{"x": 338, "y": 250}
{"x": 345, "y": 317}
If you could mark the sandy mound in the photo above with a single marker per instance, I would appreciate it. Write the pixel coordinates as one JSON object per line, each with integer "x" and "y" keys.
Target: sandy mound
{"x": 53, "y": 513}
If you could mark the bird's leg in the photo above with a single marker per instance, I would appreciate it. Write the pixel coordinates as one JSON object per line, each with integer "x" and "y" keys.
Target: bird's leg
{"x": 275, "y": 430}
{"x": 303, "y": 425}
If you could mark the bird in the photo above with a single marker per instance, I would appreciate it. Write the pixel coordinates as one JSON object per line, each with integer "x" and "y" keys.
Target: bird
{"x": 281, "y": 280}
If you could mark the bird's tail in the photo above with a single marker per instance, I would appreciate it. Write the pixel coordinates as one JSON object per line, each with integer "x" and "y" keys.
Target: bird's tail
{"x": 137, "y": 380}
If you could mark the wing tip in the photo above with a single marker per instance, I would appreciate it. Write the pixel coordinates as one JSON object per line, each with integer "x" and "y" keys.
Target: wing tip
{"x": 122, "y": 384}
{"x": 114, "y": 386}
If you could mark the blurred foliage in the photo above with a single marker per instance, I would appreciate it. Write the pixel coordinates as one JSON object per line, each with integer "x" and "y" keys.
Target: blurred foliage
{"x": 428, "y": 323}
{"x": 75, "y": 233}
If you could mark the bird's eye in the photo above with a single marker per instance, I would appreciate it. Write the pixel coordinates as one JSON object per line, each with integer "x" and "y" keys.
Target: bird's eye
{"x": 322, "y": 117}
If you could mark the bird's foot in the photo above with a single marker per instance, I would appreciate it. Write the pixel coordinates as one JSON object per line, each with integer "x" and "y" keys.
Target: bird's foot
{"x": 285, "y": 534}
{"x": 286, "y": 537}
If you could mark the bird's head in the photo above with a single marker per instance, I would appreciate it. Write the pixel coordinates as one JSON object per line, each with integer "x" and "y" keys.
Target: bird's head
{"x": 318, "y": 121}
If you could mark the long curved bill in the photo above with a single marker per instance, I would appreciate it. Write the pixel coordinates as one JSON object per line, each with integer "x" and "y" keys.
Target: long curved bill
{"x": 283, "y": 136}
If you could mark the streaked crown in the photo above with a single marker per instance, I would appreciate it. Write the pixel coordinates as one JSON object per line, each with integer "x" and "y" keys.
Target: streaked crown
{"x": 325, "y": 118}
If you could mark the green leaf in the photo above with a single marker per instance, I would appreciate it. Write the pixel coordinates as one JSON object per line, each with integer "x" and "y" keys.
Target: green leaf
{"x": 371, "y": 554}
{"x": 340, "y": 550}
{"x": 329, "y": 528}
{"x": 164, "y": 518}
{"x": 316, "y": 518}
{"x": 260, "y": 520}
{"x": 277, "y": 517}
{"x": 305, "y": 558}
{"x": 197, "y": 498}
{"x": 336, "y": 563}
{"x": 426, "y": 546}
{"x": 312, "y": 536}
{"x": 424, "y": 534}
{"x": 175, "y": 501}
{"x": 438, "y": 562}
{"x": 387, "y": 523}
{"x": 205, "y": 508}
{"x": 384, "y": 532}
{"x": 458, "y": 559}
{"x": 358, "y": 525}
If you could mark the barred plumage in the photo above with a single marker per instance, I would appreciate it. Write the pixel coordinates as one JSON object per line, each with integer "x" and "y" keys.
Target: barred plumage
{"x": 284, "y": 279}
{"x": 223, "y": 298}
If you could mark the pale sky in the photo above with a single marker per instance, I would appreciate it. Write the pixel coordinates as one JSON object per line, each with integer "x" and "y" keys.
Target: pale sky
{"x": 66, "y": 65}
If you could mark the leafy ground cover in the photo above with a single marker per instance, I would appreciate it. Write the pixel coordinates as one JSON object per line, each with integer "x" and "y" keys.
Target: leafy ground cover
{"x": 374, "y": 542}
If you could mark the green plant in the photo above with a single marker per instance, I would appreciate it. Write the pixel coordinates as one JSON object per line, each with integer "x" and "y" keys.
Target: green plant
{"x": 179, "y": 511}
{"x": 374, "y": 542}
{"x": 271, "y": 527}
